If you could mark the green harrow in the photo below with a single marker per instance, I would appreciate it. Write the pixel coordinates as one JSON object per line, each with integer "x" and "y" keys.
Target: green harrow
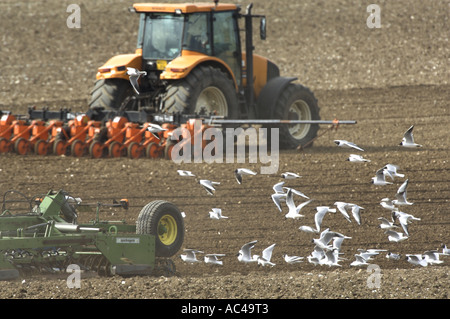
{"x": 45, "y": 237}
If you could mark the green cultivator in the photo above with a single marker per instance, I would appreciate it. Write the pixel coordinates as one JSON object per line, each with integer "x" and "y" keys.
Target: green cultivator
{"x": 46, "y": 237}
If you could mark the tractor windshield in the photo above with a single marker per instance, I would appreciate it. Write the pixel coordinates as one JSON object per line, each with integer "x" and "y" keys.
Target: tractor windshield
{"x": 160, "y": 35}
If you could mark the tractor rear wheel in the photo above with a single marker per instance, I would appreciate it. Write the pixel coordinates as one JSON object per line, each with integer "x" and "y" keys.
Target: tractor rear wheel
{"x": 297, "y": 102}
{"x": 205, "y": 90}
{"x": 110, "y": 94}
{"x": 163, "y": 220}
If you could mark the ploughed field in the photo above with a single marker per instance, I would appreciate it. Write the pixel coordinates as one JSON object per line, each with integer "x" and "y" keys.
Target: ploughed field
{"x": 386, "y": 79}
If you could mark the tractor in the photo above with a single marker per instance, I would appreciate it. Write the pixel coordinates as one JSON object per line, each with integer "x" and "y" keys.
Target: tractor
{"x": 191, "y": 61}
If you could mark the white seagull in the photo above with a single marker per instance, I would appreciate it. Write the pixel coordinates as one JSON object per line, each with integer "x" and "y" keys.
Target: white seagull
{"x": 277, "y": 198}
{"x": 392, "y": 256}
{"x": 244, "y": 254}
{"x": 360, "y": 261}
{"x": 296, "y": 192}
{"x": 278, "y": 188}
{"x": 264, "y": 260}
{"x": 190, "y": 256}
{"x": 432, "y": 257}
{"x": 400, "y": 196}
{"x": 216, "y": 213}
{"x": 290, "y": 175}
{"x": 342, "y": 207}
{"x": 155, "y": 129}
{"x": 357, "y": 159}
{"x": 134, "y": 75}
{"x": 347, "y": 144}
{"x": 320, "y": 214}
{"x": 392, "y": 169}
{"x": 213, "y": 259}
{"x": 380, "y": 178}
{"x": 240, "y": 171}
{"x": 208, "y": 185}
{"x": 308, "y": 229}
{"x": 417, "y": 260}
{"x": 395, "y": 237}
{"x": 292, "y": 259}
{"x": 386, "y": 224}
{"x": 294, "y": 211}
{"x": 404, "y": 219}
{"x": 408, "y": 139}
{"x": 356, "y": 213}
{"x": 445, "y": 250}
{"x": 185, "y": 173}
{"x": 387, "y": 204}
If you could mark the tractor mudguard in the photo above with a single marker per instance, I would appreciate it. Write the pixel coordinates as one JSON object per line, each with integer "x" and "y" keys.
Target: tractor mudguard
{"x": 116, "y": 67}
{"x": 269, "y": 95}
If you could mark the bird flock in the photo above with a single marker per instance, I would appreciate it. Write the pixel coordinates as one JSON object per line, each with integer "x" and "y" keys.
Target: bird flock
{"x": 326, "y": 244}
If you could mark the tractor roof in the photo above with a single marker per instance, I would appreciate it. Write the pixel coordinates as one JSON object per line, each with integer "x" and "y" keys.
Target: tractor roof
{"x": 184, "y": 7}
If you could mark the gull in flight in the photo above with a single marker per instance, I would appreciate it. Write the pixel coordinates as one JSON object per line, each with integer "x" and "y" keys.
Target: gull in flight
{"x": 244, "y": 254}
{"x": 290, "y": 175}
{"x": 400, "y": 196}
{"x": 208, "y": 186}
{"x": 292, "y": 259}
{"x": 134, "y": 75}
{"x": 380, "y": 178}
{"x": 190, "y": 256}
{"x": 432, "y": 257}
{"x": 417, "y": 260}
{"x": 392, "y": 256}
{"x": 359, "y": 261}
{"x": 367, "y": 254}
{"x": 240, "y": 171}
{"x": 408, "y": 139}
{"x": 185, "y": 173}
{"x": 294, "y": 211}
{"x": 356, "y": 213}
{"x": 216, "y": 213}
{"x": 347, "y": 144}
{"x": 264, "y": 260}
{"x": 325, "y": 237}
{"x": 404, "y": 219}
{"x": 308, "y": 229}
{"x": 393, "y": 170}
{"x": 277, "y": 198}
{"x": 155, "y": 129}
{"x": 331, "y": 258}
{"x": 342, "y": 207}
{"x": 357, "y": 159}
{"x": 395, "y": 237}
{"x": 278, "y": 188}
{"x": 387, "y": 204}
{"x": 296, "y": 192}
{"x": 386, "y": 224}
{"x": 213, "y": 259}
{"x": 320, "y": 214}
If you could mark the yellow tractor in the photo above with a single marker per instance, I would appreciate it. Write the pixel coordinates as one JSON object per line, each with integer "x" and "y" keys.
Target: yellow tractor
{"x": 190, "y": 59}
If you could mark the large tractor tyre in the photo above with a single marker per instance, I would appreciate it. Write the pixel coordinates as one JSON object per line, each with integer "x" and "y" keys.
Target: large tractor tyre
{"x": 297, "y": 102}
{"x": 110, "y": 94}
{"x": 164, "y": 221}
{"x": 205, "y": 90}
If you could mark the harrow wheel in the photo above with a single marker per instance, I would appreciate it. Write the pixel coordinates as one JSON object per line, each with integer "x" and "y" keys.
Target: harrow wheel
{"x": 4, "y": 145}
{"x": 153, "y": 150}
{"x": 163, "y": 220}
{"x": 134, "y": 150}
{"x": 96, "y": 150}
{"x": 21, "y": 146}
{"x": 59, "y": 147}
{"x": 168, "y": 149}
{"x": 41, "y": 147}
{"x": 77, "y": 148}
{"x": 115, "y": 149}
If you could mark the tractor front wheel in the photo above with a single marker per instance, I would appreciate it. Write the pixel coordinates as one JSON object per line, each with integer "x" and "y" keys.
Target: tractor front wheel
{"x": 163, "y": 220}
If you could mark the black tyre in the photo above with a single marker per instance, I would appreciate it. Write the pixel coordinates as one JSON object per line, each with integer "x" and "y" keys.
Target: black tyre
{"x": 297, "y": 102}
{"x": 110, "y": 94}
{"x": 206, "y": 89}
{"x": 163, "y": 220}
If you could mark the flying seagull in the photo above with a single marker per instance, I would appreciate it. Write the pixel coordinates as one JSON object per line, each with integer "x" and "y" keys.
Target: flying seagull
{"x": 392, "y": 169}
{"x": 240, "y": 171}
{"x": 357, "y": 159}
{"x": 190, "y": 256}
{"x": 290, "y": 175}
{"x": 321, "y": 211}
{"x": 134, "y": 77}
{"x": 408, "y": 139}
{"x": 244, "y": 254}
{"x": 185, "y": 173}
{"x": 294, "y": 211}
{"x": 155, "y": 129}
{"x": 213, "y": 259}
{"x": 386, "y": 224}
{"x": 347, "y": 144}
{"x": 216, "y": 213}
{"x": 264, "y": 260}
{"x": 208, "y": 185}
{"x": 308, "y": 229}
{"x": 395, "y": 237}
{"x": 380, "y": 178}
{"x": 404, "y": 219}
{"x": 292, "y": 259}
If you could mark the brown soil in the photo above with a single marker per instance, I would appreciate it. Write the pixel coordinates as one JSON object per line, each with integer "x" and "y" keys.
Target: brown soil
{"x": 387, "y": 79}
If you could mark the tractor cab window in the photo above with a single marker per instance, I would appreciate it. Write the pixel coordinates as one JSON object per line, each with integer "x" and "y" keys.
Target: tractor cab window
{"x": 161, "y": 36}
{"x": 226, "y": 41}
{"x": 196, "y": 33}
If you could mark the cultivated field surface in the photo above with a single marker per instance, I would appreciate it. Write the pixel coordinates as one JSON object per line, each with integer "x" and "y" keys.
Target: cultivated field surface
{"x": 386, "y": 79}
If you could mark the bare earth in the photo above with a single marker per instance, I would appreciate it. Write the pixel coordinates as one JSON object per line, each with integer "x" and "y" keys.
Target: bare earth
{"x": 387, "y": 79}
